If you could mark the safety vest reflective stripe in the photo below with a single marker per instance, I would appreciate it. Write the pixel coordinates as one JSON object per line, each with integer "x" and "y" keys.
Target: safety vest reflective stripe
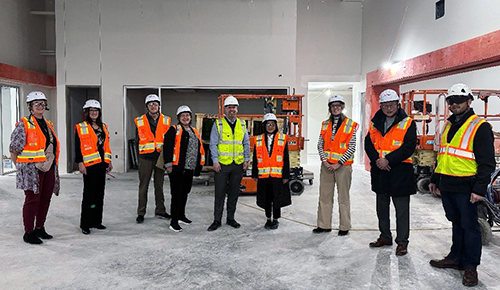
{"x": 177, "y": 145}
{"x": 457, "y": 152}
{"x": 91, "y": 157}
{"x": 335, "y": 149}
{"x": 147, "y": 146}
{"x": 88, "y": 144}
{"x": 466, "y": 138}
{"x": 31, "y": 154}
{"x": 392, "y": 140}
{"x": 270, "y": 166}
{"x": 230, "y": 145}
{"x": 149, "y": 142}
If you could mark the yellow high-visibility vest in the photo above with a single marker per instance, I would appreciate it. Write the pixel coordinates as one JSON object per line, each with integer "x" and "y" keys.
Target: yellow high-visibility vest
{"x": 230, "y": 146}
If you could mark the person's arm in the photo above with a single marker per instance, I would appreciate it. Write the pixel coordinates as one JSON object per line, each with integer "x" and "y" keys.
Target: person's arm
{"x": 370, "y": 149}
{"x": 484, "y": 152}
{"x": 286, "y": 163}
{"x": 407, "y": 148}
{"x": 17, "y": 141}
{"x": 78, "y": 149}
{"x": 214, "y": 141}
{"x": 321, "y": 151}
{"x": 246, "y": 146}
{"x": 350, "y": 149}
{"x": 168, "y": 146}
{"x": 255, "y": 169}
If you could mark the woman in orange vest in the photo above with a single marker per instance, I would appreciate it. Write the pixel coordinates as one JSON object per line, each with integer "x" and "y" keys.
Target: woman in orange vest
{"x": 271, "y": 171}
{"x": 93, "y": 156}
{"x": 35, "y": 148}
{"x": 184, "y": 158}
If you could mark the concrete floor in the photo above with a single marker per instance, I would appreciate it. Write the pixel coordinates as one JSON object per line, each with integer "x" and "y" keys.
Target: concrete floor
{"x": 128, "y": 255}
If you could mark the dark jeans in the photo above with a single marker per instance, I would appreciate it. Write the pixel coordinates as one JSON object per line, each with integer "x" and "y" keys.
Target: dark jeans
{"x": 93, "y": 196}
{"x": 271, "y": 205}
{"x": 402, "y": 205}
{"x": 147, "y": 168}
{"x": 180, "y": 186}
{"x": 228, "y": 181}
{"x": 36, "y": 206}
{"x": 466, "y": 233}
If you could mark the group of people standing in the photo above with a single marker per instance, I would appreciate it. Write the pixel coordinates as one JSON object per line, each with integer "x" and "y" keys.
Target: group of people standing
{"x": 465, "y": 161}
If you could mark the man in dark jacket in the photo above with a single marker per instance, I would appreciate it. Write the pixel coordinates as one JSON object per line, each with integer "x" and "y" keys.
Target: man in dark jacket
{"x": 389, "y": 144}
{"x": 466, "y": 160}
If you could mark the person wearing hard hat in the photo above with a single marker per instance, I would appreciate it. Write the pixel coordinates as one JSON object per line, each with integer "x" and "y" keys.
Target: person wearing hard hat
{"x": 336, "y": 146}
{"x": 151, "y": 129}
{"x": 389, "y": 144}
{"x": 184, "y": 157}
{"x": 465, "y": 162}
{"x": 93, "y": 156}
{"x": 271, "y": 170}
{"x": 35, "y": 149}
{"x": 230, "y": 150}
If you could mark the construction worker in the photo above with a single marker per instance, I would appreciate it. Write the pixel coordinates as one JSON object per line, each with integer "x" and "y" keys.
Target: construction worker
{"x": 93, "y": 156}
{"x": 151, "y": 129}
{"x": 184, "y": 158}
{"x": 465, "y": 162}
{"x": 230, "y": 150}
{"x": 35, "y": 149}
{"x": 336, "y": 146}
{"x": 271, "y": 171}
{"x": 389, "y": 144}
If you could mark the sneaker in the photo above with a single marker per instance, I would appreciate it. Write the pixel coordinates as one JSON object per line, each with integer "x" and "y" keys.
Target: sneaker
{"x": 319, "y": 230}
{"x": 85, "y": 231}
{"x": 185, "y": 220}
{"x": 268, "y": 225}
{"x": 175, "y": 227}
{"x": 343, "y": 233}
{"x": 274, "y": 224}
{"x": 41, "y": 233}
{"x": 101, "y": 227}
{"x": 140, "y": 219}
{"x": 234, "y": 224}
{"x": 163, "y": 216}
{"x": 31, "y": 238}
{"x": 215, "y": 225}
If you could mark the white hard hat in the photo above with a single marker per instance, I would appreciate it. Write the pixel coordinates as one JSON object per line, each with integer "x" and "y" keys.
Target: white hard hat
{"x": 388, "y": 96}
{"x": 336, "y": 98}
{"x": 269, "y": 117}
{"x": 152, "y": 98}
{"x": 231, "y": 101}
{"x": 92, "y": 104}
{"x": 33, "y": 96}
{"x": 183, "y": 109}
{"x": 459, "y": 89}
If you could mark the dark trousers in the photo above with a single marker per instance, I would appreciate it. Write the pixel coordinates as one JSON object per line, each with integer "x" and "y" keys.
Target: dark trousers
{"x": 146, "y": 169}
{"x": 272, "y": 205}
{"x": 93, "y": 196}
{"x": 228, "y": 181}
{"x": 402, "y": 205}
{"x": 466, "y": 233}
{"x": 36, "y": 206}
{"x": 180, "y": 186}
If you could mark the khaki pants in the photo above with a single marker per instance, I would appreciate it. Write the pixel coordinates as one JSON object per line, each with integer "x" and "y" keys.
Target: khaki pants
{"x": 341, "y": 177}
{"x": 146, "y": 169}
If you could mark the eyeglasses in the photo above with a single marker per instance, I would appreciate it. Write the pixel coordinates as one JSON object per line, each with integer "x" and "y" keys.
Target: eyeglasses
{"x": 153, "y": 104}
{"x": 271, "y": 124}
{"x": 40, "y": 104}
{"x": 336, "y": 106}
{"x": 456, "y": 100}
{"x": 388, "y": 106}
{"x": 94, "y": 111}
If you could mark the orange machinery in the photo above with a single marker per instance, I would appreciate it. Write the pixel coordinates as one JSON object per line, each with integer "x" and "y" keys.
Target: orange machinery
{"x": 418, "y": 104}
{"x": 289, "y": 109}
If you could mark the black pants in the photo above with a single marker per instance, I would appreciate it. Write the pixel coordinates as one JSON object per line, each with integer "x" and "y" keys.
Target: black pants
{"x": 93, "y": 195}
{"x": 228, "y": 181}
{"x": 402, "y": 205}
{"x": 466, "y": 233}
{"x": 272, "y": 205}
{"x": 181, "y": 182}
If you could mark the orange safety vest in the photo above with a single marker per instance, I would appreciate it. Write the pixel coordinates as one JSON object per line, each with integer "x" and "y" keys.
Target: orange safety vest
{"x": 88, "y": 144}
{"x": 34, "y": 150}
{"x": 148, "y": 142}
{"x": 334, "y": 149}
{"x": 177, "y": 146}
{"x": 270, "y": 165}
{"x": 392, "y": 140}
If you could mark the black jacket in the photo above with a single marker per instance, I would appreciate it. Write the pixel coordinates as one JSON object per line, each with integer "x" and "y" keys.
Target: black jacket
{"x": 484, "y": 153}
{"x": 400, "y": 180}
{"x": 168, "y": 150}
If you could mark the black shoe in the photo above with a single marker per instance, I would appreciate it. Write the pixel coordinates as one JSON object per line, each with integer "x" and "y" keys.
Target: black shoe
{"x": 163, "y": 216}
{"x": 215, "y": 225}
{"x": 101, "y": 227}
{"x": 140, "y": 219}
{"x": 185, "y": 220}
{"x": 343, "y": 233}
{"x": 234, "y": 224}
{"x": 274, "y": 224}
{"x": 175, "y": 227}
{"x": 85, "y": 231}
{"x": 31, "y": 238}
{"x": 319, "y": 230}
{"x": 268, "y": 225}
{"x": 42, "y": 234}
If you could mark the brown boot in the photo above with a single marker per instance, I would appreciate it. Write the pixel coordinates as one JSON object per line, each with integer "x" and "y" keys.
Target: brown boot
{"x": 445, "y": 264}
{"x": 401, "y": 250}
{"x": 470, "y": 277}
{"x": 379, "y": 243}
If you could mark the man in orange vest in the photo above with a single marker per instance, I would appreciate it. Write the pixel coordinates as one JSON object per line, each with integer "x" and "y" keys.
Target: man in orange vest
{"x": 151, "y": 128}
{"x": 336, "y": 146}
{"x": 389, "y": 144}
{"x": 465, "y": 162}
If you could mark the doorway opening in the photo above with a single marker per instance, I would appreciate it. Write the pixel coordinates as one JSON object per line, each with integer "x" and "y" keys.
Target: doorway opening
{"x": 9, "y": 111}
